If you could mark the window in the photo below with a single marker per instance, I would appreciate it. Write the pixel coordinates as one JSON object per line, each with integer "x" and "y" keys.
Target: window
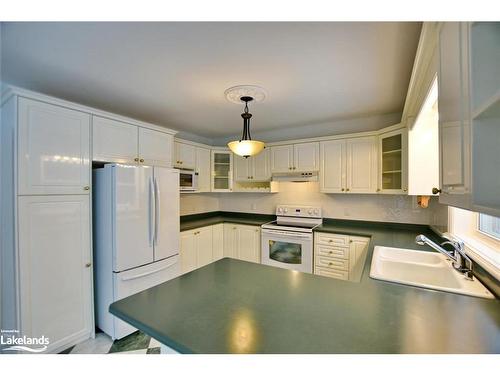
{"x": 489, "y": 225}
{"x": 481, "y": 235}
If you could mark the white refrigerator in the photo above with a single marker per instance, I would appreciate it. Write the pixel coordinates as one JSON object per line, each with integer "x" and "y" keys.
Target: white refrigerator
{"x": 136, "y": 235}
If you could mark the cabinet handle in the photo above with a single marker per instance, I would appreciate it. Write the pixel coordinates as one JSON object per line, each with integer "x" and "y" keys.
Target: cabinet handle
{"x": 330, "y": 263}
{"x": 136, "y": 159}
{"x": 330, "y": 252}
{"x": 142, "y": 160}
{"x": 87, "y": 265}
{"x": 234, "y": 228}
{"x": 180, "y": 162}
{"x": 347, "y": 189}
{"x": 378, "y": 190}
{"x": 294, "y": 168}
{"x": 342, "y": 189}
{"x": 350, "y": 241}
{"x": 86, "y": 188}
{"x": 405, "y": 190}
{"x": 330, "y": 240}
{"x": 436, "y": 190}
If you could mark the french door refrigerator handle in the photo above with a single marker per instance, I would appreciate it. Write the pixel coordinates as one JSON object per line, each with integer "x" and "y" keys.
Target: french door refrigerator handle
{"x": 152, "y": 201}
{"x": 157, "y": 210}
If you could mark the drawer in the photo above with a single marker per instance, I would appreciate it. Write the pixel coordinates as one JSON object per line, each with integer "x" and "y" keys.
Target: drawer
{"x": 332, "y": 239}
{"x": 328, "y": 272}
{"x": 332, "y": 251}
{"x": 335, "y": 263}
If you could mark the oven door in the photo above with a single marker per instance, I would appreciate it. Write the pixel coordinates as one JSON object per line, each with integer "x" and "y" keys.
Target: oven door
{"x": 289, "y": 250}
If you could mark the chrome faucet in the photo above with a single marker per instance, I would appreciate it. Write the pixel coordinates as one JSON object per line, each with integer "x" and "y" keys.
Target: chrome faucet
{"x": 460, "y": 261}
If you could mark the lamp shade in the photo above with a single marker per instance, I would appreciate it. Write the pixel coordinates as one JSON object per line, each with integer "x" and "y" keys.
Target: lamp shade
{"x": 246, "y": 148}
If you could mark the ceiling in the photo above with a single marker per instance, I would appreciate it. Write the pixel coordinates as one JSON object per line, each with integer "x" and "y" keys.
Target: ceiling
{"x": 174, "y": 74}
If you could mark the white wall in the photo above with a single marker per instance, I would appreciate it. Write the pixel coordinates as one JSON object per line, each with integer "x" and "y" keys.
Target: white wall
{"x": 390, "y": 208}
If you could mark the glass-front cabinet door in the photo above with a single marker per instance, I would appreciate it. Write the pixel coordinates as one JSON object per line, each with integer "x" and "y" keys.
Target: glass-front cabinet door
{"x": 392, "y": 146}
{"x": 222, "y": 171}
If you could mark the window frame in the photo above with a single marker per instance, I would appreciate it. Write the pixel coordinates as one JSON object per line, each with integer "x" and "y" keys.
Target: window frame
{"x": 481, "y": 247}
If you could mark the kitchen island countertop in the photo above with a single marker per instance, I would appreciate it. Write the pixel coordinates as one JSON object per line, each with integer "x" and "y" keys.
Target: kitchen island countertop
{"x": 232, "y": 306}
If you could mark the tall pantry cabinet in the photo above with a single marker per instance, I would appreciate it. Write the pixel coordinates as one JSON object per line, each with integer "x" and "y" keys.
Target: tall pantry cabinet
{"x": 46, "y": 239}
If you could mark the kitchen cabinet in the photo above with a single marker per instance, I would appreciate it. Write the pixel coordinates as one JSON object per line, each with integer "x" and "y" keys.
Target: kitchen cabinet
{"x": 184, "y": 156}
{"x": 55, "y": 268}
{"x": 218, "y": 241}
{"x": 222, "y": 171}
{"x": 255, "y": 168}
{"x": 392, "y": 161}
{"x": 301, "y": 157}
{"x": 203, "y": 169}
{"x": 53, "y": 149}
{"x": 196, "y": 248}
{"x": 121, "y": 142}
{"x": 155, "y": 147}
{"x": 333, "y": 166}
{"x": 339, "y": 256}
{"x": 349, "y": 165}
{"x": 114, "y": 141}
{"x": 242, "y": 242}
{"x": 454, "y": 122}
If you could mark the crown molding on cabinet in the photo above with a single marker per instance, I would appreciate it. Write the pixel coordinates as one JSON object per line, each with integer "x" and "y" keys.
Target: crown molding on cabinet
{"x": 10, "y": 90}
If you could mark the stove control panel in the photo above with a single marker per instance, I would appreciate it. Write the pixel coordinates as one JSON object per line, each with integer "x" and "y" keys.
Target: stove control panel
{"x": 299, "y": 211}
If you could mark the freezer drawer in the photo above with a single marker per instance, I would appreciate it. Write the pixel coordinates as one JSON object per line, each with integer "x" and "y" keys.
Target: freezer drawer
{"x": 138, "y": 279}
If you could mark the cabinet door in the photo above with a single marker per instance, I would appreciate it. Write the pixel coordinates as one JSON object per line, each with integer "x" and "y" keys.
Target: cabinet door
{"x": 166, "y": 185}
{"x": 454, "y": 129}
{"x": 231, "y": 235}
{"x": 361, "y": 164}
{"x": 222, "y": 171}
{"x": 393, "y": 162}
{"x": 261, "y": 170}
{"x": 306, "y": 157}
{"x": 55, "y": 270}
{"x": 358, "y": 247}
{"x": 188, "y": 251}
{"x": 249, "y": 243}
{"x": 204, "y": 238}
{"x": 242, "y": 170}
{"x": 185, "y": 156}
{"x": 203, "y": 169}
{"x": 155, "y": 148}
{"x": 333, "y": 166}
{"x": 281, "y": 159}
{"x": 114, "y": 141}
{"x": 53, "y": 149}
{"x": 218, "y": 241}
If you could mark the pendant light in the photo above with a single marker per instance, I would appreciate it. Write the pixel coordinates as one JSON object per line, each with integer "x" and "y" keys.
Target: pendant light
{"x": 246, "y": 147}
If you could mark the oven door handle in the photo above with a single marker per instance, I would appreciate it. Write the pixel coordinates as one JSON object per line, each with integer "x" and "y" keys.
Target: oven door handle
{"x": 286, "y": 234}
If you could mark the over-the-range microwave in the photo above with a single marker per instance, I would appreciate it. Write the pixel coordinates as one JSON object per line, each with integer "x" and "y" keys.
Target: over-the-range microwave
{"x": 188, "y": 180}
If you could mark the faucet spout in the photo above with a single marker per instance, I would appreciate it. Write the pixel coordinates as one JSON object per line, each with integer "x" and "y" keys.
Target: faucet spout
{"x": 461, "y": 262}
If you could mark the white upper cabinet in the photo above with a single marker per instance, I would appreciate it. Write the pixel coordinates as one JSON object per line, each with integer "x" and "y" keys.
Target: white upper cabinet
{"x": 222, "y": 171}
{"x": 454, "y": 123}
{"x": 300, "y": 157}
{"x": 155, "y": 147}
{"x": 55, "y": 269}
{"x": 333, "y": 166}
{"x": 349, "y": 166}
{"x": 120, "y": 142}
{"x": 203, "y": 168}
{"x": 255, "y": 168}
{"x": 306, "y": 157}
{"x": 184, "y": 156}
{"x": 361, "y": 165}
{"x": 261, "y": 168}
{"x": 53, "y": 149}
{"x": 114, "y": 141}
{"x": 281, "y": 159}
{"x": 393, "y": 162}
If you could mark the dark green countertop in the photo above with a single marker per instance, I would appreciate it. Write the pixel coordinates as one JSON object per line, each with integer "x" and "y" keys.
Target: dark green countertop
{"x": 189, "y": 222}
{"x": 233, "y": 306}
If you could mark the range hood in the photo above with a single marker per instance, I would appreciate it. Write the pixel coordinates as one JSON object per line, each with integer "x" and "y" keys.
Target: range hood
{"x": 295, "y": 176}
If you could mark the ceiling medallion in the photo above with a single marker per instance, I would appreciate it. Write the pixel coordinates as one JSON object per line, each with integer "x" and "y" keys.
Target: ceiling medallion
{"x": 245, "y": 147}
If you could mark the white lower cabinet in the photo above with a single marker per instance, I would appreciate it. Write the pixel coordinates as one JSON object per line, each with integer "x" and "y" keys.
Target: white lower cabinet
{"x": 204, "y": 245}
{"x": 339, "y": 256}
{"x": 55, "y": 269}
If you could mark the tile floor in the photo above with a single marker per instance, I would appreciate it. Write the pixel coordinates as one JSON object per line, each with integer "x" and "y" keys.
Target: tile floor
{"x": 136, "y": 343}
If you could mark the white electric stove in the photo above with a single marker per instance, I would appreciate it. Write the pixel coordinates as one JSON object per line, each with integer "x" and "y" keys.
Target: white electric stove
{"x": 287, "y": 242}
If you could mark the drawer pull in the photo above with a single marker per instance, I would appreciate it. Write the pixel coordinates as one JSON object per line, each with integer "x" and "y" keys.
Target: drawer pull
{"x": 86, "y": 188}
{"x": 136, "y": 159}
